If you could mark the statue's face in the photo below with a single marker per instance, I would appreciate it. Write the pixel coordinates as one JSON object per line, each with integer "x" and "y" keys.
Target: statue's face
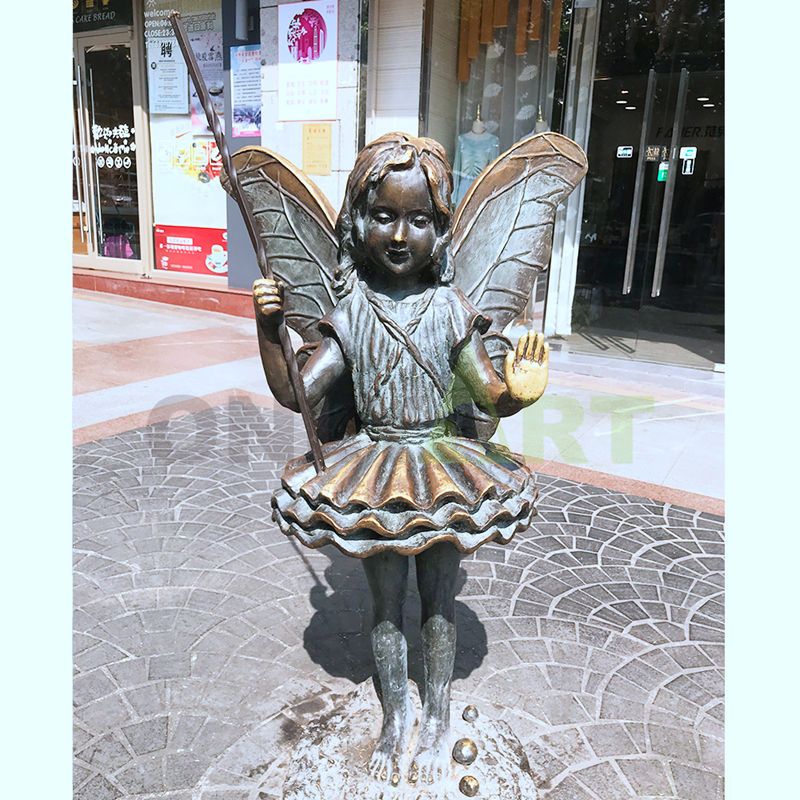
{"x": 400, "y": 234}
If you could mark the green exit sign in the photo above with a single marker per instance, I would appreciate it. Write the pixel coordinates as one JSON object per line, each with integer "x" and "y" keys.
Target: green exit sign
{"x": 663, "y": 169}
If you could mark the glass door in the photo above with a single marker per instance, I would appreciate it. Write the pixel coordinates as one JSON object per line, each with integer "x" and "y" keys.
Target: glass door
{"x": 107, "y": 212}
{"x": 650, "y": 278}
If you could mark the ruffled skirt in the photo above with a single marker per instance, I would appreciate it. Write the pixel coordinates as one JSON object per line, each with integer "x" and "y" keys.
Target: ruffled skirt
{"x": 404, "y": 494}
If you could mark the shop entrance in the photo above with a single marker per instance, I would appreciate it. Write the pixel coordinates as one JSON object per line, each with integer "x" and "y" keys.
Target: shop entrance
{"x": 650, "y": 276}
{"x": 108, "y": 220}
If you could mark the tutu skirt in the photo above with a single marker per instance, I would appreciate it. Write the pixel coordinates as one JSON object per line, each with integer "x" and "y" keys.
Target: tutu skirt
{"x": 402, "y": 492}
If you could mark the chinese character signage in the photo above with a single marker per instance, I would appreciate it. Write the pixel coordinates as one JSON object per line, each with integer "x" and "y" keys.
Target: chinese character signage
{"x": 307, "y": 58}
{"x": 168, "y": 77}
{"x": 114, "y": 148}
{"x": 246, "y": 90}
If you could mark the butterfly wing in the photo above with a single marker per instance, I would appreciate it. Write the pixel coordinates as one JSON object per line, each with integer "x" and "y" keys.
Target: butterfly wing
{"x": 296, "y": 223}
{"x": 502, "y": 237}
{"x": 503, "y": 228}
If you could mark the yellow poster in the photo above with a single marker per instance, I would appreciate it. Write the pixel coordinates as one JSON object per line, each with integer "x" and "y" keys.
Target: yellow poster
{"x": 317, "y": 148}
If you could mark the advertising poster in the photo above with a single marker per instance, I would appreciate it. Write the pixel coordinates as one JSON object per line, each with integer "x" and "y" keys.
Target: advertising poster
{"x": 207, "y": 46}
{"x": 246, "y": 90}
{"x": 307, "y": 51}
{"x": 167, "y": 78}
{"x": 189, "y": 203}
{"x": 201, "y": 251}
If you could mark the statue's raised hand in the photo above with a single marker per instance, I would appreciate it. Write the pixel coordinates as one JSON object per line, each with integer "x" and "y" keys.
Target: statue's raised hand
{"x": 268, "y": 299}
{"x": 526, "y": 368}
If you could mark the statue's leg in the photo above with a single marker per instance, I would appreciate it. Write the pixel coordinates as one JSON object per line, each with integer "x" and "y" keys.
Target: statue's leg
{"x": 437, "y": 573}
{"x": 387, "y": 574}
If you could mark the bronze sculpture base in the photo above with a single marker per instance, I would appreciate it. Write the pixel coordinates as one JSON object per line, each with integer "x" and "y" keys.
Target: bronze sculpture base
{"x": 330, "y": 759}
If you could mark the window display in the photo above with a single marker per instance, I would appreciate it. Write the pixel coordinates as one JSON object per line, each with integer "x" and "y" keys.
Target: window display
{"x": 504, "y": 55}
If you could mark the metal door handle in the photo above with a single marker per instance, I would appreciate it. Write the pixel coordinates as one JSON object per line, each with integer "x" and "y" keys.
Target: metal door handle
{"x": 669, "y": 189}
{"x": 638, "y": 186}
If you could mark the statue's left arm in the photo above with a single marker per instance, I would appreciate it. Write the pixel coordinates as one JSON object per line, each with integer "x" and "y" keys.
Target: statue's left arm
{"x": 526, "y": 371}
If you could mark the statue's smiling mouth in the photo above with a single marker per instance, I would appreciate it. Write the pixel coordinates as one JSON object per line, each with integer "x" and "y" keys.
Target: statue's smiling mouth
{"x": 397, "y": 255}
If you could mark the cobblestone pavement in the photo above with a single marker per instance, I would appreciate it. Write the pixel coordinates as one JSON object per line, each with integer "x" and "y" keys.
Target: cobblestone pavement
{"x": 204, "y": 640}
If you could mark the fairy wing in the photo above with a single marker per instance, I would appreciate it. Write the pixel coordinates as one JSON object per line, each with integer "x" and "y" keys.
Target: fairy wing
{"x": 296, "y": 223}
{"x": 503, "y": 228}
{"x": 502, "y": 236}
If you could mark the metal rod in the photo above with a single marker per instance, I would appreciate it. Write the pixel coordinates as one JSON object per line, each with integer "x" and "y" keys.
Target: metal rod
{"x": 261, "y": 252}
{"x": 669, "y": 189}
{"x": 638, "y": 186}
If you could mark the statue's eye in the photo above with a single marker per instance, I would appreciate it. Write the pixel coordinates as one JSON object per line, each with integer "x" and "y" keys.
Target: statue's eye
{"x": 382, "y": 217}
{"x": 420, "y": 220}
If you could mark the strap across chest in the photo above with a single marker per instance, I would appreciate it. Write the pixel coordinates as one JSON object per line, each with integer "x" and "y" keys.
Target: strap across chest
{"x": 403, "y": 337}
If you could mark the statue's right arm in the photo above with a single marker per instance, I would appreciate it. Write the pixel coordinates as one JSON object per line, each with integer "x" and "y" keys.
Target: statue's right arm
{"x": 323, "y": 368}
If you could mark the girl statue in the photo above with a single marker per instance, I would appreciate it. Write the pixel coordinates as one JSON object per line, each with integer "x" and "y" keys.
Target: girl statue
{"x": 406, "y": 480}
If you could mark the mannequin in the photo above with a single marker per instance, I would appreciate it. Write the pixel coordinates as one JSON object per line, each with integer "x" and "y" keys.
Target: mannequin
{"x": 474, "y": 150}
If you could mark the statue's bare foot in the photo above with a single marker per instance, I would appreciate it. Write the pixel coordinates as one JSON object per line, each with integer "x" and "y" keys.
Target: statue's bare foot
{"x": 432, "y": 759}
{"x": 384, "y": 765}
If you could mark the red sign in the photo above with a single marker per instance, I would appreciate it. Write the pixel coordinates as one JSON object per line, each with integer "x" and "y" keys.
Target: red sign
{"x": 202, "y": 251}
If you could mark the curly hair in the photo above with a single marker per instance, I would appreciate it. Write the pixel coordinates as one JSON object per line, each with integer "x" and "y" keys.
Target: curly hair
{"x": 393, "y": 152}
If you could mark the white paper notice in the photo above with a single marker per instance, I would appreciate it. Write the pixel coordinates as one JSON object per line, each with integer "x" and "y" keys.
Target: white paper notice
{"x": 307, "y": 53}
{"x": 168, "y": 78}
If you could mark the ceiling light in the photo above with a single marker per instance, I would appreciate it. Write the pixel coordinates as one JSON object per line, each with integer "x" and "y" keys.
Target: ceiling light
{"x": 703, "y": 99}
{"x": 630, "y": 108}
{"x": 624, "y": 91}
{"x": 622, "y": 102}
{"x": 708, "y": 105}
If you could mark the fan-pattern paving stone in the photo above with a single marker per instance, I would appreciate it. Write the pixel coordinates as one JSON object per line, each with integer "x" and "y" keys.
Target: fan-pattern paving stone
{"x": 205, "y": 640}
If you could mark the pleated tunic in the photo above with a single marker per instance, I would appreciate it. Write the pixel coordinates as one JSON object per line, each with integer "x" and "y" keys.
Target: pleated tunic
{"x": 405, "y": 481}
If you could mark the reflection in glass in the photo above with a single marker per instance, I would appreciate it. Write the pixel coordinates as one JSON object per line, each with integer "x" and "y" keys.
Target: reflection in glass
{"x": 684, "y": 322}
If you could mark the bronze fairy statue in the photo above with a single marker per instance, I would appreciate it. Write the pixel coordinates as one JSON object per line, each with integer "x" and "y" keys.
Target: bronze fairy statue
{"x": 402, "y": 303}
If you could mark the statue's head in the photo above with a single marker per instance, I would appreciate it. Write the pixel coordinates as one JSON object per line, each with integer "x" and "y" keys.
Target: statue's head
{"x": 396, "y": 212}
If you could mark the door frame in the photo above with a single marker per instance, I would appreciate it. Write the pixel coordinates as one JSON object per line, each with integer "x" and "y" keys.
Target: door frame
{"x": 578, "y": 98}
{"x": 131, "y": 36}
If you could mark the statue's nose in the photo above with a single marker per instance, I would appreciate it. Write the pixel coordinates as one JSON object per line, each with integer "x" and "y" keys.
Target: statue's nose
{"x": 400, "y": 231}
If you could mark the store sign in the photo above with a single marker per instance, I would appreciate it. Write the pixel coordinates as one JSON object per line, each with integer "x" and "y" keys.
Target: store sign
{"x": 663, "y": 170}
{"x": 91, "y": 15}
{"x": 246, "y": 90}
{"x": 688, "y": 152}
{"x": 307, "y": 60}
{"x": 625, "y": 151}
{"x": 687, "y": 168}
{"x": 201, "y": 251}
{"x": 656, "y": 152}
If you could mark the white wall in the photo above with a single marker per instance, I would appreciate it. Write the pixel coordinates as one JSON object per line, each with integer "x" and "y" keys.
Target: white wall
{"x": 393, "y": 67}
{"x": 285, "y": 138}
{"x": 444, "y": 90}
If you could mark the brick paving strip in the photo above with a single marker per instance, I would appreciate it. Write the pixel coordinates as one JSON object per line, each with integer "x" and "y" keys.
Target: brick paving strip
{"x": 204, "y": 640}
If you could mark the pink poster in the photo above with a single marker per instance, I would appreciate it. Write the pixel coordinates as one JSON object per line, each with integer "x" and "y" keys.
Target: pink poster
{"x": 307, "y": 59}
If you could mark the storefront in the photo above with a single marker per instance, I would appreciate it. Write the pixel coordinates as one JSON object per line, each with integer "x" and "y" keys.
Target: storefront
{"x": 147, "y": 198}
{"x": 638, "y": 259}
